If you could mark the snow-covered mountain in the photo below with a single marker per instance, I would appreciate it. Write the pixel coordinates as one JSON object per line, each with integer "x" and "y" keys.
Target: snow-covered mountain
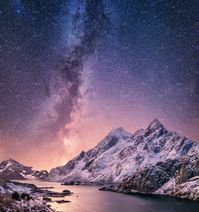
{"x": 121, "y": 155}
{"x": 12, "y": 170}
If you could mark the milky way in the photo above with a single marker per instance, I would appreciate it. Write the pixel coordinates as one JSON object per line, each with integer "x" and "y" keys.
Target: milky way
{"x": 72, "y": 70}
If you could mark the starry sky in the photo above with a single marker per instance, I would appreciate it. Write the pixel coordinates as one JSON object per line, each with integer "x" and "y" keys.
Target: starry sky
{"x": 71, "y": 70}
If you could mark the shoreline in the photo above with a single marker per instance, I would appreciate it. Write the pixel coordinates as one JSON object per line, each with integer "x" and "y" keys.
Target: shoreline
{"x": 15, "y": 195}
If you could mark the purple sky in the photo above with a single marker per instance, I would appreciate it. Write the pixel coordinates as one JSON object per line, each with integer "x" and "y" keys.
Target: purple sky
{"x": 73, "y": 70}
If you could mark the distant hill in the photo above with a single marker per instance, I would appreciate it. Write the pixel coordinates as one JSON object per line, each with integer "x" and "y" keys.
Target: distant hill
{"x": 13, "y": 170}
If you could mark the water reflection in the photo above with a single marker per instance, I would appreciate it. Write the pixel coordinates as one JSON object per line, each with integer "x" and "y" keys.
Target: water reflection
{"x": 90, "y": 199}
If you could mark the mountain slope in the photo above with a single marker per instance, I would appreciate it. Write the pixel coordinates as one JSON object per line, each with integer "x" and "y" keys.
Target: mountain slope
{"x": 12, "y": 170}
{"x": 92, "y": 165}
{"x": 120, "y": 155}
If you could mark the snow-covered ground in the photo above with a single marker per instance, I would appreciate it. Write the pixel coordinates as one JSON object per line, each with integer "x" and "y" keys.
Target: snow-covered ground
{"x": 10, "y": 204}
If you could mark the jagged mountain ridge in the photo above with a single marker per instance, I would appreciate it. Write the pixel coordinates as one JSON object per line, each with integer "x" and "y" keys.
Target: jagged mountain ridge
{"x": 121, "y": 154}
{"x": 13, "y": 170}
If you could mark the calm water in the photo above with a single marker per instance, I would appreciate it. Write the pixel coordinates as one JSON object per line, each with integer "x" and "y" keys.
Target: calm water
{"x": 90, "y": 199}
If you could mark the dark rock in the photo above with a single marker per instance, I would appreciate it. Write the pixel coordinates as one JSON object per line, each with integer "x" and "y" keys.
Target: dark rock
{"x": 47, "y": 199}
{"x": 189, "y": 168}
{"x": 62, "y": 201}
{"x": 88, "y": 165}
{"x": 151, "y": 178}
{"x": 57, "y": 194}
{"x": 66, "y": 191}
{"x": 81, "y": 155}
{"x": 112, "y": 188}
{"x": 47, "y": 187}
{"x": 71, "y": 183}
{"x": 147, "y": 180}
{"x": 16, "y": 196}
{"x": 26, "y": 196}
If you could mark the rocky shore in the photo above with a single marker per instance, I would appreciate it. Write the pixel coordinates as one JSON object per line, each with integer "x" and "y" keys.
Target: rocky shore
{"x": 177, "y": 178}
{"x": 17, "y": 197}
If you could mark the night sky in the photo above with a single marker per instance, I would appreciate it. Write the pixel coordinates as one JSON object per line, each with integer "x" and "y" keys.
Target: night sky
{"x": 71, "y": 70}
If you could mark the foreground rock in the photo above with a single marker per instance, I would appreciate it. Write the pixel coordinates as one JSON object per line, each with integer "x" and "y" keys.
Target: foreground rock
{"x": 56, "y": 194}
{"x": 21, "y": 197}
{"x": 12, "y": 170}
{"x": 71, "y": 183}
{"x": 62, "y": 201}
{"x": 16, "y": 196}
{"x": 113, "y": 188}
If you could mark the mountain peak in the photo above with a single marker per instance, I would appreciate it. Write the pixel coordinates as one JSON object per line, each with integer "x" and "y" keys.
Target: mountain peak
{"x": 120, "y": 132}
{"x": 12, "y": 160}
{"x": 12, "y": 170}
{"x": 155, "y": 124}
{"x": 12, "y": 163}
